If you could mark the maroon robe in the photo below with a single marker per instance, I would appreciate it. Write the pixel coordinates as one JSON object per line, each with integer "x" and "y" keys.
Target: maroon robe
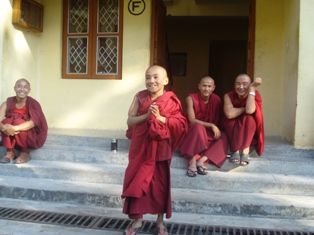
{"x": 247, "y": 129}
{"x": 200, "y": 140}
{"x": 146, "y": 187}
{"x": 36, "y": 136}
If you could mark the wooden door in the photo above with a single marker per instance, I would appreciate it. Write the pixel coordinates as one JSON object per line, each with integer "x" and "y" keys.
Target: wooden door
{"x": 158, "y": 33}
{"x": 159, "y": 53}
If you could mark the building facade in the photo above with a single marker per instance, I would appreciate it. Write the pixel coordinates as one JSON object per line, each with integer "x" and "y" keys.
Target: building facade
{"x": 283, "y": 57}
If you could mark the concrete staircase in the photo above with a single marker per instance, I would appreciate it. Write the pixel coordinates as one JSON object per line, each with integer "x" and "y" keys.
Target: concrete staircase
{"x": 77, "y": 168}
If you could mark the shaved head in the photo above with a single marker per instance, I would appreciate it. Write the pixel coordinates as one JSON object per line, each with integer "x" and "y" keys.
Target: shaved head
{"x": 22, "y": 79}
{"x": 244, "y": 76}
{"x": 161, "y": 69}
{"x": 207, "y": 78}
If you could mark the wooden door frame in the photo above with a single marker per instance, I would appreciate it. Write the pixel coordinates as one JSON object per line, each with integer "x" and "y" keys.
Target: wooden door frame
{"x": 251, "y": 39}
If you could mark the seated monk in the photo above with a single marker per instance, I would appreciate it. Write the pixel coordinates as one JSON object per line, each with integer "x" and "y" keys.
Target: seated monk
{"x": 204, "y": 142}
{"x": 243, "y": 121}
{"x": 156, "y": 128}
{"x": 23, "y": 124}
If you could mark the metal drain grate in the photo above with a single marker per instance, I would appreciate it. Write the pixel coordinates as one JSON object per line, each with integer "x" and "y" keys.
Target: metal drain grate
{"x": 115, "y": 224}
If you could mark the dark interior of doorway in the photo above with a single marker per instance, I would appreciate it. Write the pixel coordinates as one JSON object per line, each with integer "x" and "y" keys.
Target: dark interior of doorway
{"x": 227, "y": 59}
{"x": 214, "y": 46}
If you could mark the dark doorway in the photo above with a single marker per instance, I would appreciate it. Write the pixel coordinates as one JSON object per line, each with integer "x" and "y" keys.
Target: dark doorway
{"x": 215, "y": 46}
{"x": 227, "y": 59}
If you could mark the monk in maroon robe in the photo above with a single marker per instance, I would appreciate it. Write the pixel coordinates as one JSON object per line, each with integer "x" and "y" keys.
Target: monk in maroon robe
{"x": 156, "y": 128}
{"x": 243, "y": 121}
{"x": 23, "y": 124}
{"x": 204, "y": 142}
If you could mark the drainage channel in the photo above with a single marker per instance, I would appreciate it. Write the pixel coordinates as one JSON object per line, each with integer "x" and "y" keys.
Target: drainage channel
{"x": 116, "y": 224}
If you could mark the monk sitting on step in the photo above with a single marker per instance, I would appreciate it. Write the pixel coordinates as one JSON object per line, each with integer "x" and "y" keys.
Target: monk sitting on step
{"x": 243, "y": 121}
{"x": 23, "y": 124}
{"x": 204, "y": 142}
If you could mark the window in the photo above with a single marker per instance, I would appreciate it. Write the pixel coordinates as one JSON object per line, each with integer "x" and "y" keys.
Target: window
{"x": 28, "y": 14}
{"x": 92, "y": 39}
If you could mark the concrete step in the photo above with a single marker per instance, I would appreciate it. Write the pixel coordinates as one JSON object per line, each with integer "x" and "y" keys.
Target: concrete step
{"x": 252, "y": 222}
{"x": 268, "y": 163}
{"x": 184, "y": 200}
{"x": 214, "y": 181}
{"x": 77, "y": 167}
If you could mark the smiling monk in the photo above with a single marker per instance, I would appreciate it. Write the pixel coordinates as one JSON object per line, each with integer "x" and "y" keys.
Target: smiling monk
{"x": 243, "y": 121}
{"x": 23, "y": 124}
{"x": 204, "y": 142}
{"x": 156, "y": 128}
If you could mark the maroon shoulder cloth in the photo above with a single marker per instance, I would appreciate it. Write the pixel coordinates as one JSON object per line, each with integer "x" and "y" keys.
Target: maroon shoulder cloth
{"x": 209, "y": 112}
{"x": 231, "y": 125}
{"x": 36, "y": 137}
{"x": 152, "y": 141}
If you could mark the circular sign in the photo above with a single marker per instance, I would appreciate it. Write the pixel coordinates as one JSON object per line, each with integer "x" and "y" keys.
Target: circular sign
{"x": 136, "y": 7}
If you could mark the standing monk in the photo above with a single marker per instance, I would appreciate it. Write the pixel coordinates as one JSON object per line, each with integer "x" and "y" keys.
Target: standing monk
{"x": 156, "y": 127}
{"x": 204, "y": 141}
{"x": 243, "y": 120}
{"x": 23, "y": 124}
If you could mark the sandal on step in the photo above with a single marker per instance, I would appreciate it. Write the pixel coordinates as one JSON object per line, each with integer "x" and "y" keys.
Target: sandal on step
{"x": 235, "y": 158}
{"x": 22, "y": 158}
{"x": 162, "y": 231}
{"x": 245, "y": 159}
{"x": 132, "y": 231}
{"x": 201, "y": 170}
{"x": 191, "y": 173}
{"x": 8, "y": 157}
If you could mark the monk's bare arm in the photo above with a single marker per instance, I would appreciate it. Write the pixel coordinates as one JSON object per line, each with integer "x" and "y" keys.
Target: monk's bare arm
{"x": 192, "y": 119}
{"x": 229, "y": 110}
{"x": 3, "y": 108}
{"x": 9, "y": 129}
{"x": 250, "y": 103}
{"x": 24, "y": 126}
{"x": 191, "y": 114}
{"x": 133, "y": 119}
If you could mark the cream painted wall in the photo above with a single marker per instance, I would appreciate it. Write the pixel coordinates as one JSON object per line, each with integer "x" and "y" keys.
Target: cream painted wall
{"x": 92, "y": 104}
{"x": 304, "y": 133}
{"x": 20, "y": 55}
{"x": 269, "y": 52}
{"x": 3, "y": 18}
{"x": 290, "y": 77}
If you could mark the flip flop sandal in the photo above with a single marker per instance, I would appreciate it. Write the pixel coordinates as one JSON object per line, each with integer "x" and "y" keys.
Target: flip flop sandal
{"x": 245, "y": 158}
{"x": 132, "y": 231}
{"x": 8, "y": 157}
{"x": 235, "y": 158}
{"x": 22, "y": 158}
{"x": 161, "y": 231}
{"x": 191, "y": 173}
{"x": 201, "y": 170}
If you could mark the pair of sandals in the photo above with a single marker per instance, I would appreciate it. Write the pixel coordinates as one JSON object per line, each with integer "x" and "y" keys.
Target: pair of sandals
{"x": 134, "y": 231}
{"x": 242, "y": 160}
{"x": 200, "y": 170}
